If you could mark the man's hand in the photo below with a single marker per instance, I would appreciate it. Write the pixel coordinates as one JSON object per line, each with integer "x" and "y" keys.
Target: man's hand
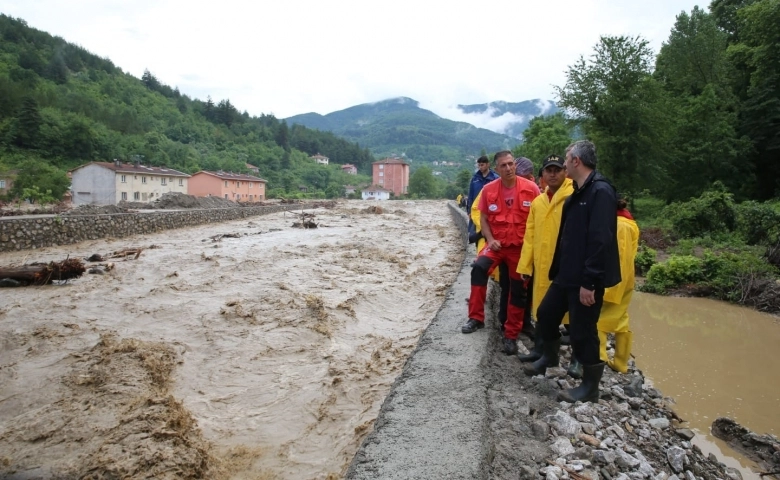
{"x": 494, "y": 245}
{"x": 587, "y": 297}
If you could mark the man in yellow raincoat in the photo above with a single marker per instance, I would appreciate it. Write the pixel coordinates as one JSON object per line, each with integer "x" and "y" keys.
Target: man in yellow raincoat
{"x": 614, "y": 312}
{"x": 541, "y": 234}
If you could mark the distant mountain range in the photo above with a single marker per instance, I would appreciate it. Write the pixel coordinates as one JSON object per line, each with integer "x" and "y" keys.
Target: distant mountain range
{"x": 400, "y": 127}
{"x": 506, "y": 117}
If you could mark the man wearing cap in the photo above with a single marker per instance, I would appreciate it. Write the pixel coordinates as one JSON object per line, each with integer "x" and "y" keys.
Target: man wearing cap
{"x": 504, "y": 207}
{"x": 541, "y": 234}
{"x": 585, "y": 263}
{"x": 482, "y": 177}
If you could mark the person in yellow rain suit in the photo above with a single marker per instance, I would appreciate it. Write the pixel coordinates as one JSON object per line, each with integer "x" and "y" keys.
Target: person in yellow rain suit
{"x": 541, "y": 234}
{"x": 614, "y": 312}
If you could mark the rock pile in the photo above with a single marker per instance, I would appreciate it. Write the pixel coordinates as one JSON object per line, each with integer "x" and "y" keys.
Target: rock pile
{"x": 631, "y": 433}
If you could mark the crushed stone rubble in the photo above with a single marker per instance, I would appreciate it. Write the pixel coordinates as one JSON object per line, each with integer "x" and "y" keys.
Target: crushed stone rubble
{"x": 631, "y": 433}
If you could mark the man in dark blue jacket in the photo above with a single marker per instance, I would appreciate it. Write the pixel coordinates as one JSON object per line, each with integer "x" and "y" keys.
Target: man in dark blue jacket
{"x": 482, "y": 177}
{"x": 585, "y": 263}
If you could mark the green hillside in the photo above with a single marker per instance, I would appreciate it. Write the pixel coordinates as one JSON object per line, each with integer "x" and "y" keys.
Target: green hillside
{"x": 399, "y": 126}
{"x": 61, "y": 106}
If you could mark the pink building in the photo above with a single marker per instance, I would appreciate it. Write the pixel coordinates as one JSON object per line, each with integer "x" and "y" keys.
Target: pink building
{"x": 391, "y": 174}
{"x": 233, "y": 186}
{"x": 349, "y": 168}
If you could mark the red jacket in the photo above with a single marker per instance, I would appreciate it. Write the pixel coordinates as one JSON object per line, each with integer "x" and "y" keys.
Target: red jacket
{"x": 508, "y": 223}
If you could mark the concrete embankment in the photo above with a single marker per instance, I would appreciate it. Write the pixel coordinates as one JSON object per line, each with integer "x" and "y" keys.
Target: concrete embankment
{"x": 434, "y": 422}
{"x": 461, "y": 409}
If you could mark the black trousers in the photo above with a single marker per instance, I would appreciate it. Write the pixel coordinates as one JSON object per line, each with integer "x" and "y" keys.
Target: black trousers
{"x": 582, "y": 320}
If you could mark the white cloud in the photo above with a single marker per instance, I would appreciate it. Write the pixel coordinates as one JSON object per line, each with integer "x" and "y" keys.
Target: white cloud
{"x": 301, "y": 56}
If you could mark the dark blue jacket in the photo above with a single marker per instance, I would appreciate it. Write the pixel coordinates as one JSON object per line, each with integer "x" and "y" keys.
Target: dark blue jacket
{"x": 477, "y": 182}
{"x": 586, "y": 253}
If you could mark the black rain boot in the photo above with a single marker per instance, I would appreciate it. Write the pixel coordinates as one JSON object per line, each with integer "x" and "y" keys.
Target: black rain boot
{"x": 575, "y": 369}
{"x": 588, "y": 390}
{"x": 535, "y": 353}
{"x": 550, "y": 352}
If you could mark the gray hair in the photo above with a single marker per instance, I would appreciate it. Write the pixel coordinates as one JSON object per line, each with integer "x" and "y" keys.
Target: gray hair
{"x": 585, "y": 151}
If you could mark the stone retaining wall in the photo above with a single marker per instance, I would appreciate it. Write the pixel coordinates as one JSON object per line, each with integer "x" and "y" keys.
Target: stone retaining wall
{"x": 40, "y": 231}
{"x": 461, "y": 220}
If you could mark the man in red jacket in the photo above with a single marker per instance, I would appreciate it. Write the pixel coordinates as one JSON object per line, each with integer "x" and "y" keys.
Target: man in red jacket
{"x": 504, "y": 209}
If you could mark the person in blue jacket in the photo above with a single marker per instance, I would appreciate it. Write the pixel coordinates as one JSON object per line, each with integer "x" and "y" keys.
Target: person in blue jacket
{"x": 482, "y": 177}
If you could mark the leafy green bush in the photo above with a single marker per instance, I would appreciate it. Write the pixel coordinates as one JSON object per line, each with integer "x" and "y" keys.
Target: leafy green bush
{"x": 733, "y": 276}
{"x": 758, "y": 223}
{"x": 713, "y": 212}
{"x": 645, "y": 258}
{"x": 677, "y": 271}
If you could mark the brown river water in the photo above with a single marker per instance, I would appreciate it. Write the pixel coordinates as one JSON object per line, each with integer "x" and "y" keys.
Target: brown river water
{"x": 714, "y": 359}
{"x": 265, "y": 356}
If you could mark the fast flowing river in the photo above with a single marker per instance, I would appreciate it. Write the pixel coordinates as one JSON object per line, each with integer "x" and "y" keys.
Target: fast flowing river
{"x": 715, "y": 359}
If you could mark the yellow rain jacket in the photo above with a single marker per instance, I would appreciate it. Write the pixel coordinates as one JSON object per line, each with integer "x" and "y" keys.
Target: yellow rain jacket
{"x": 541, "y": 234}
{"x": 474, "y": 213}
{"x": 614, "y": 312}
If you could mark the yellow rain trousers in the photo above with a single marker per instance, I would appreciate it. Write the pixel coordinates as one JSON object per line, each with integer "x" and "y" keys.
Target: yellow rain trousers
{"x": 614, "y": 312}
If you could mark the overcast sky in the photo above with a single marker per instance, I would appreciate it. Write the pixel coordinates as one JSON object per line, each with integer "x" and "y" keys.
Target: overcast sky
{"x": 295, "y": 56}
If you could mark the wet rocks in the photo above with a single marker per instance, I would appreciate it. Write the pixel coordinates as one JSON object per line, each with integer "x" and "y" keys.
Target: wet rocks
{"x": 659, "y": 423}
{"x": 563, "y": 423}
{"x": 685, "y": 433}
{"x": 676, "y": 458}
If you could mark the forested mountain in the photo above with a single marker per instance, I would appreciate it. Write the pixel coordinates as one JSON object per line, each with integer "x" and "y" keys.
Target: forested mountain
{"x": 399, "y": 126}
{"x": 61, "y": 106}
{"x": 517, "y": 115}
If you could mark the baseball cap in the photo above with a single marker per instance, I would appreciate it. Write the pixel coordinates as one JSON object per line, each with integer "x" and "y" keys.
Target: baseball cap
{"x": 552, "y": 160}
{"x": 523, "y": 166}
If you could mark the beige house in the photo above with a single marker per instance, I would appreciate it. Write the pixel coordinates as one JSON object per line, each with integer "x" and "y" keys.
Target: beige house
{"x": 108, "y": 183}
{"x": 321, "y": 159}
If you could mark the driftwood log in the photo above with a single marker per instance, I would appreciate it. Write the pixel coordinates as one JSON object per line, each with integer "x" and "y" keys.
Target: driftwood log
{"x": 44, "y": 273}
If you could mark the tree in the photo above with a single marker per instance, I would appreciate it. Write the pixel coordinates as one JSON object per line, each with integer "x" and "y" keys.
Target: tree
{"x": 693, "y": 68}
{"x": 759, "y": 50}
{"x": 694, "y": 56}
{"x": 545, "y": 135}
{"x": 28, "y": 124}
{"x": 38, "y": 174}
{"x": 614, "y": 98}
{"x": 706, "y": 142}
{"x": 422, "y": 183}
{"x": 462, "y": 181}
{"x": 282, "y": 137}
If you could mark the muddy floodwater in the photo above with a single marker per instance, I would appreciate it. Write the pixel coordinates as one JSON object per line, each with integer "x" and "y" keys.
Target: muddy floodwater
{"x": 714, "y": 359}
{"x": 263, "y": 356}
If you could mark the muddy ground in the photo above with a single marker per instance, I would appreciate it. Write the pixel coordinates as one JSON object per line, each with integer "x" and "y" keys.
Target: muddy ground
{"x": 266, "y": 355}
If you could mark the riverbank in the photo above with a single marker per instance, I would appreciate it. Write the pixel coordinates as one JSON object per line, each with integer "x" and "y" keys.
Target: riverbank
{"x": 462, "y": 409}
